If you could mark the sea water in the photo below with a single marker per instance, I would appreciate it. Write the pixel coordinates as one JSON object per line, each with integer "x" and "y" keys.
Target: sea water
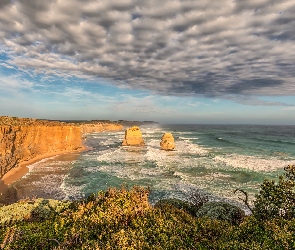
{"x": 216, "y": 159}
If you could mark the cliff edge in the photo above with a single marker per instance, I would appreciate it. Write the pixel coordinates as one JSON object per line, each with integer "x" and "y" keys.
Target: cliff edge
{"x": 22, "y": 139}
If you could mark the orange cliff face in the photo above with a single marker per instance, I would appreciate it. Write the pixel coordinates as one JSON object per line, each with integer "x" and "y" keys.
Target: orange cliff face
{"x": 22, "y": 143}
{"x": 24, "y": 139}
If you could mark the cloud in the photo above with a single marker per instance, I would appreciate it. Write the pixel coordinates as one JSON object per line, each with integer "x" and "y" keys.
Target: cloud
{"x": 254, "y": 101}
{"x": 289, "y": 108}
{"x": 7, "y": 65}
{"x": 14, "y": 84}
{"x": 177, "y": 47}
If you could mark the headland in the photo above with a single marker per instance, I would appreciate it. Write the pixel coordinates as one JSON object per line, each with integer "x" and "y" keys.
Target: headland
{"x": 24, "y": 141}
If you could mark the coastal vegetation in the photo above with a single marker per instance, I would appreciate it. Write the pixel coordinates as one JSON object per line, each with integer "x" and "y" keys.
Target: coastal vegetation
{"x": 124, "y": 219}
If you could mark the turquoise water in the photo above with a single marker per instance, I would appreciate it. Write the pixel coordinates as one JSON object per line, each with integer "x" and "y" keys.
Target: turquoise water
{"x": 214, "y": 158}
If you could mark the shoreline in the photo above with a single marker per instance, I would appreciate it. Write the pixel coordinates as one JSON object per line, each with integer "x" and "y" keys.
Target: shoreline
{"x": 17, "y": 173}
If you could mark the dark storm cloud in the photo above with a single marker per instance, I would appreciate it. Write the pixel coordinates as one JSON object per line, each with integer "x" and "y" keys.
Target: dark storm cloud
{"x": 252, "y": 85}
{"x": 175, "y": 47}
{"x": 3, "y": 3}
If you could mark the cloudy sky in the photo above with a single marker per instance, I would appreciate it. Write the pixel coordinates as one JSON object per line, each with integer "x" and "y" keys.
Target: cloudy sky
{"x": 174, "y": 61}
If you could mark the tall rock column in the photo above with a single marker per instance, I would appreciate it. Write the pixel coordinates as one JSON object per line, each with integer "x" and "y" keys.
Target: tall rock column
{"x": 133, "y": 137}
{"x": 167, "y": 142}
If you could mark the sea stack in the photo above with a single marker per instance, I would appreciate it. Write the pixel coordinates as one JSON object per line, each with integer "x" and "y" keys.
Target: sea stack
{"x": 133, "y": 137}
{"x": 167, "y": 142}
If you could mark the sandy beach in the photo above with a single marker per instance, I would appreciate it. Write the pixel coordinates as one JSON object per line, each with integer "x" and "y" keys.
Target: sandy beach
{"x": 16, "y": 173}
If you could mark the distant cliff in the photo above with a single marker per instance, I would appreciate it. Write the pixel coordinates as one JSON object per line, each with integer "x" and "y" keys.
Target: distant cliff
{"x": 24, "y": 139}
{"x": 92, "y": 127}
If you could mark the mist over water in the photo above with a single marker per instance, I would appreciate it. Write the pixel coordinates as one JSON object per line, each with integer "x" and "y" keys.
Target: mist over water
{"x": 215, "y": 158}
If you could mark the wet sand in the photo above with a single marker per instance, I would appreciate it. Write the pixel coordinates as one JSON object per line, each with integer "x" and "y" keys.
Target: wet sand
{"x": 8, "y": 192}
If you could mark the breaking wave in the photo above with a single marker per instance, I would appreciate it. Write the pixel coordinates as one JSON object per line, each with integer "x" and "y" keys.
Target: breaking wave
{"x": 206, "y": 158}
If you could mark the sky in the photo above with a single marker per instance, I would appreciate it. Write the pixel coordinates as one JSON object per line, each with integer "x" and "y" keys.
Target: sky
{"x": 174, "y": 61}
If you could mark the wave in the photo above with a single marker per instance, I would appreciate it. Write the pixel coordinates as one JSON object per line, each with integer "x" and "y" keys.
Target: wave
{"x": 273, "y": 141}
{"x": 190, "y": 165}
{"x": 227, "y": 141}
{"x": 72, "y": 192}
{"x": 188, "y": 138}
{"x": 253, "y": 163}
{"x": 49, "y": 165}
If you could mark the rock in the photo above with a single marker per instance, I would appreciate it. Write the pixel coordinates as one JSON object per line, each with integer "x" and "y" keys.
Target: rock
{"x": 23, "y": 142}
{"x": 133, "y": 137}
{"x": 167, "y": 142}
{"x": 22, "y": 139}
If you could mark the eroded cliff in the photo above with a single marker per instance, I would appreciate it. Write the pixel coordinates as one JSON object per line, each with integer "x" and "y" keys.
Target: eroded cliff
{"x": 25, "y": 139}
{"x": 133, "y": 137}
{"x": 167, "y": 142}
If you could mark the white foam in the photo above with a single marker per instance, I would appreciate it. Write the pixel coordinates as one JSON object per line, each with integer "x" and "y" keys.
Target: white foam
{"x": 153, "y": 131}
{"x": 30, "y": 167}
{"x": 182, "y": 176}
{"x": 107, "y": 142}
{"x": 71, "y": 191}
{"x": 121, "y": 155}
{"x": 188, "y": 138}
{"x": 152, "y": 172}
{"x": 187, "y": 147}
{"x": 253, "y": 163}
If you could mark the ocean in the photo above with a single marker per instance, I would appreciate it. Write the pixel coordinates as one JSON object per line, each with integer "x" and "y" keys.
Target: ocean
{"x": 216, "y": 159}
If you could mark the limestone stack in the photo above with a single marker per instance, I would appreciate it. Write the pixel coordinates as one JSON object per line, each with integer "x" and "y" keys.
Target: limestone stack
{"x": 167, "y": 142}
{"x": 133, "y": 137}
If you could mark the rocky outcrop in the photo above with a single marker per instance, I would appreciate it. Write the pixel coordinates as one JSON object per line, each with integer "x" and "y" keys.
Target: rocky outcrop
{"x": 25, "y": 139}
{"x": 22, "y": 142}
{"x": 133, "y": 137}
{"x": 167, "y": 142}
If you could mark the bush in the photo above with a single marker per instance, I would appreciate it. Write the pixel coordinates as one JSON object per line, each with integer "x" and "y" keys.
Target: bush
{"x": 276, "y": 199}
{"x": 221, "y": 211}
{"x": 177, "y": 203}
{"x": 123, "y": 219}
{"x": 38, "y": 209}
{"x": 198, "y": 197}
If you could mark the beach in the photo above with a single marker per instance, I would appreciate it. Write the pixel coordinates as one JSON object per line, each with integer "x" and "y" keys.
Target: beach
{"x": 215, "y": 159}
{"x": 7, "y": 192}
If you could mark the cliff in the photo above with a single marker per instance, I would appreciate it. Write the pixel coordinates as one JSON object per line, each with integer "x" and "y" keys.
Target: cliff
{"x": 99, "y": 127}
{"x": 24, "y": 139}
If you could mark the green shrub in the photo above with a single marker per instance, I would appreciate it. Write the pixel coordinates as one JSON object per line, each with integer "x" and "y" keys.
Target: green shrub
{"x": 184, "y": 205}
{"x": 276, "y": 199}
{"x": 198, "y": 197}
{"x": 221, "y": 211}
{"x": 38, "y": 209}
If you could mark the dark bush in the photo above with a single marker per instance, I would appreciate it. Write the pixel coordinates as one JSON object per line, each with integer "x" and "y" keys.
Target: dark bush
{"x": 221, "y": 211}
{"x": 184, "y": 205}
{"x": 198, "y": 197}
